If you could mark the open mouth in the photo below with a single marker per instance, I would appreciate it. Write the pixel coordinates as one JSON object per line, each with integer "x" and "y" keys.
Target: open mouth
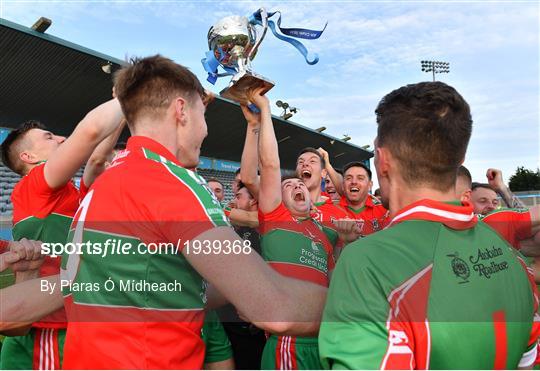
{"x": 306, "y": 174}
{"x": 354, "y": 189}
{"x": 299, "y": 196}
{"x": 330, "y": 191}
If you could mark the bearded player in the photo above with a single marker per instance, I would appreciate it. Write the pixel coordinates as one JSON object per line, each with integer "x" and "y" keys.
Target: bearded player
{"x": 519, "y": 226}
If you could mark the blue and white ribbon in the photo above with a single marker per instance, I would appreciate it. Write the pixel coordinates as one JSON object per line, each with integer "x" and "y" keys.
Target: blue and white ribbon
{"x": 211, "y": 63}
{"x": 300, "y": 33}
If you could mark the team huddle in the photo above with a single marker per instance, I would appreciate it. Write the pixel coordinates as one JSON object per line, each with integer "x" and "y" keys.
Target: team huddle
{"x": 300, "y": 271}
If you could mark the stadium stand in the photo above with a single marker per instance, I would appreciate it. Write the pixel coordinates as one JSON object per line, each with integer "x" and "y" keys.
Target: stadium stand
{"x": 224, "y": 176}
{"x": 8, "y": 179}
{"x": 56, "y": 82}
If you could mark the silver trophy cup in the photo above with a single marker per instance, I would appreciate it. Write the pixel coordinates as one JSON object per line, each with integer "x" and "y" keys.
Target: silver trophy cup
{"x": 234, "y": 42}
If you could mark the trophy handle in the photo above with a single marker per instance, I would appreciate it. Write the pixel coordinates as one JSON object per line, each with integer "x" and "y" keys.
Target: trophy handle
{"x": 264, "y": 19}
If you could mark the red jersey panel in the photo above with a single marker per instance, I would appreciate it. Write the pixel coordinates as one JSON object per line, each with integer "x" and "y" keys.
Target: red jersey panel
{"x": 44, "y": 214}
{"x": 513, "y": 225}
{"x": 372, "y": 217}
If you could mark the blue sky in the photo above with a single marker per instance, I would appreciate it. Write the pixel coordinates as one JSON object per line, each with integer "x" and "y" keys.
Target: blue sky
{"x": 368, "y": 49}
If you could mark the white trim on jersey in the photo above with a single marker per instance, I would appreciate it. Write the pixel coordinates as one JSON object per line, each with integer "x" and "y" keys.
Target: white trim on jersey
{"x": 528, "y": 358}
{"x": 438, "y": 212}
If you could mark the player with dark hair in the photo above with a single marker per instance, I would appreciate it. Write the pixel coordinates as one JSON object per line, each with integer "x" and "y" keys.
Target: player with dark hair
{"x": 330, "y": 190}
{"x": 217, "y": 187}
{"x": 44, "y": 202}
{"x": 292, "y": 242}
{"x": 449, "y": 285}
{"x": 354, "y": 186}
{"x": 520, "y": 227}
{"x": 367, "y": 210}
{"x": 484, "y": 198}
{"x": 463, "y": 184}
{"x": 311, "y": 169}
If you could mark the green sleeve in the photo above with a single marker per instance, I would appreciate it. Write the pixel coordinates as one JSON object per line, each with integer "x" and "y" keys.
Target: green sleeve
{"x": 353, "y": 332}
{"x": 218, "y": 346}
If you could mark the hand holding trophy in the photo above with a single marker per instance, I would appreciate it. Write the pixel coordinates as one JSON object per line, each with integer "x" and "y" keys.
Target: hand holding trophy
{"x": 233, "y": 42}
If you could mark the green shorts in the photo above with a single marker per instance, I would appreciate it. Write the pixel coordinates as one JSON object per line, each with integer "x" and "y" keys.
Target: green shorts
{"x": 40, "y": 349}
{"x": 218, "y": 346}
{"x": 291, "y": 353}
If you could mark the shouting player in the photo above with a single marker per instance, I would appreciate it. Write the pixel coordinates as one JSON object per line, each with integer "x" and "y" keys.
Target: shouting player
{"x": 292, "y": 242}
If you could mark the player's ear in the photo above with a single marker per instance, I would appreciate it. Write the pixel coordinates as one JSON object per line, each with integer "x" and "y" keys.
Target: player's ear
{"x": 179, "y": 105}
{"x": 27, "y": 157}
{"x": 466, "y": 196}
{"x": 383, "y": 160}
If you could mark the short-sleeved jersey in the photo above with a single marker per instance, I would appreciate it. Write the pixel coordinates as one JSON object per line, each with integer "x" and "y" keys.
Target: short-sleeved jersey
{"x": 134, "y": 301}
{"x": 295, "y": 248}
{"x": 44, "y": 214}
{"x": 218, "y": 346}
{"x": 371, "y": 217}
{"x": 451, "y": 294}
{"x": 513, "y": 225}
{"x": 325, "y": 212}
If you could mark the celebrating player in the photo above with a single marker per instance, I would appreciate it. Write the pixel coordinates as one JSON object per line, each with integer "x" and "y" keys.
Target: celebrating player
{"x": 520, "y": 227}
{"x": 360, "y": 205}
{"x": 291, "y": 241}
{"x": 44, "y": 201}
{"x": 310, "y": 168}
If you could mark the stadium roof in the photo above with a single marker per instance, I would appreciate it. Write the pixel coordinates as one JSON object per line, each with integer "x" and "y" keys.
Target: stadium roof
{"x": 57, "y": 82}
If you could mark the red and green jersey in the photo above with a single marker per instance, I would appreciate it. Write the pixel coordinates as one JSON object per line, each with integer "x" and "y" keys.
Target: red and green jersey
{"x": 371, "y": 217}
{"x": 44, "y": 214}
{"x": 296, "y": 248}
{"x": 325, "y": 212}
{"x": 513, "y": 225}
{"x": 436, "y": 289}
{"x": 144, "y": 201}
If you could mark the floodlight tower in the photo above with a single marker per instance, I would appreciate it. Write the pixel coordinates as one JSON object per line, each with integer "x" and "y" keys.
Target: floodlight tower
{"x": 435, "y": 67}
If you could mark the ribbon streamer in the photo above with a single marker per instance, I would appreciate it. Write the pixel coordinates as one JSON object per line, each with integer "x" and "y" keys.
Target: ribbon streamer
{"x": 300, "y": 33}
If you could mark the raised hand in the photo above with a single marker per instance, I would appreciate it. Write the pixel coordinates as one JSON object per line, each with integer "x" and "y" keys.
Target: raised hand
{"x": 257, "y": 97}
{"x": 495, "y": 179}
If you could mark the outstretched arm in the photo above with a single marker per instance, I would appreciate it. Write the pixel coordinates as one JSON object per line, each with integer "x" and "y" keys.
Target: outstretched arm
{"x": 335, "y": 177}
{"x": 75, "y": 151}
{"x": 98, "y": 160}
{"x": 25, "y": 302}
{"x": 243, "y": 218}
{"x": 250, "y": 156}
{"x": 270, "y": 184}
{"x": 283, "y": 306}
